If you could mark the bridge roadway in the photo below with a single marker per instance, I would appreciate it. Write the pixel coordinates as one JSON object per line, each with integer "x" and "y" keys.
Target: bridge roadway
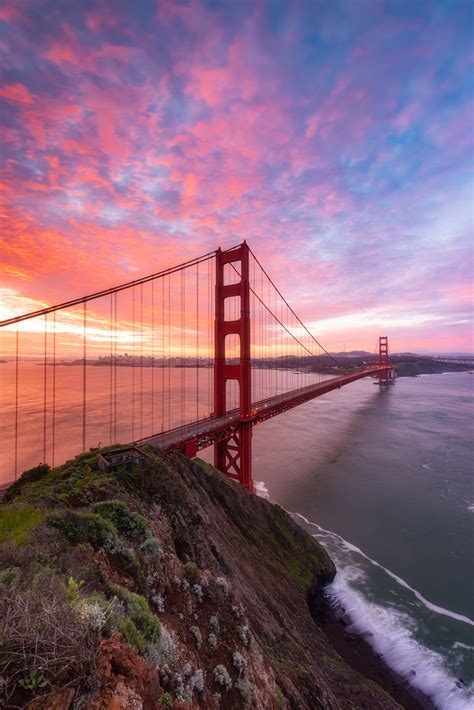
{"x": 190, "y": 438}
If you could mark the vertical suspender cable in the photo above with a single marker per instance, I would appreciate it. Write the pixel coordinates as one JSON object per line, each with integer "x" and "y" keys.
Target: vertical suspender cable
{"x": 17, "y": 376}
{"x": 210, "y": 326}
{"x": 163, "y": 354}
{"x": 152, "y": 356}
{"x": 133, "y": 364}
{"x": 141, "y": 361}
{"x": 111, "y": 369}
{"x": 84, "y": 376}
{"x": 169, "y": 352}
{"x": 53, "y": 424}
{"x": 45, "y": 382}
{"x": 184, "y": 345}
{"x": 197, "y": 342}
{"x": 115, "y": 368}
{"x": 181, "y": 372}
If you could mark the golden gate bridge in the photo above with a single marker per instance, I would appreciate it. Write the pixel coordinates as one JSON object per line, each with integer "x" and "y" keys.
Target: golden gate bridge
{"x": 215, "y": 350}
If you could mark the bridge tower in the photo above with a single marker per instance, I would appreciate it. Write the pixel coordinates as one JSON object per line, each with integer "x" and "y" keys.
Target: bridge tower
{"x": 233, "y": 455}
{"x": 386, "y": 375}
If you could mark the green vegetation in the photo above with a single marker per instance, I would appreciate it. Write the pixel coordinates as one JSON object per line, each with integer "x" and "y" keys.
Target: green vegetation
{"x": 205, "y": 467}
{"x": 126, "y": 522}
{"x": 34, "y": 680}
{"x": 95, "y": 569}
{"x": 125, "y": 626}
{"x": 78, "y": 527}
{"x": 17, "y": 523}
{"x": 33, "y": 474}
{"x": 240, "y": 544}
{"x": 294, "y": 670}
{"x": 291, "y": 548}
{"x": 138, "y": 612}
{"x": 72, "y": 485}
{"x": 192, "y": 572}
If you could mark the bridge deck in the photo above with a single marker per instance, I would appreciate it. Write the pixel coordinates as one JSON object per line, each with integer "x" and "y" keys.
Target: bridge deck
{"x": 210, "y": 430}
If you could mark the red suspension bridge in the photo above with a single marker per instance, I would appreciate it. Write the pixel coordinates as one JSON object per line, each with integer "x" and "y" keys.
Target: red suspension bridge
{"x": 192, "y": 356}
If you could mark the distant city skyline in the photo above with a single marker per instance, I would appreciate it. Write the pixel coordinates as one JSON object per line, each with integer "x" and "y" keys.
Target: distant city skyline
{"x": 336, "y": 137}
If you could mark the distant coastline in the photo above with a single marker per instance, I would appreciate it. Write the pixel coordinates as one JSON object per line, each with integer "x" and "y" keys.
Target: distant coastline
{"x": 409, "y": 365}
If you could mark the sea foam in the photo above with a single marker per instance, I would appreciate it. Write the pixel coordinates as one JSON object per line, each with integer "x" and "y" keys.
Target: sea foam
{"x": 390, "y": 631}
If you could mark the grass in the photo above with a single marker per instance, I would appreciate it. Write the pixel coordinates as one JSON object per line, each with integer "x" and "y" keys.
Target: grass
{"x": 206, "y": 467}
{"x": 239, "y": 543}
{"x": 17, "y": 523}
{"x": 299, "y": 555}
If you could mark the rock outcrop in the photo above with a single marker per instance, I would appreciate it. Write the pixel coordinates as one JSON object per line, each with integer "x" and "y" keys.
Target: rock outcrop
{"x": 175, "y": 587}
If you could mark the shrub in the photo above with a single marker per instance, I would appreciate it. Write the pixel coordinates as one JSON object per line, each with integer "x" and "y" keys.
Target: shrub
{"x": 29, "y": 476}
{"x": 91, "y": 614}
{"x": 127, "y": 522}
{"x": 43, "y": 636}
{"x": 167, "y": 645}
{"x": 33, "y": 681}
{"x": 197, "y": 635}
{"x": 222, "y": 677}
{"x": 212, "y": 638}
{"x": 243, "y": 634}
{"x": 239, "y": 662}
{"x": 192, "y": 572}
{"x": 166, "y": 700}
{"x": 139, "y": 612}
{"x": 236, "y": 612}
{"x": 152, "y": 546}
{"x": 214, "y": 624}
{"x": 129, "y": 631}
{"x": 116, "y": 548}
{"x": 10, "y": 575}
{"x": 197, "y": 681}
{"x": 243, "y": 686}
{"x": 84, "y": 527}
{"x": 73, "y": 588}
{"x": 197, "y": 590}
{"x": 223, "y": 586}
{"x": 159, "y": 602}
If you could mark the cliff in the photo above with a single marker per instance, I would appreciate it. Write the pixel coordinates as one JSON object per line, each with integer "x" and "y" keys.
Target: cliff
{"x": 165, "y": 585}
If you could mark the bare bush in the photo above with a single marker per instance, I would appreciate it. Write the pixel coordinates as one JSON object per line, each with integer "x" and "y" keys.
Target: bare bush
{"x": 42, "y": 633}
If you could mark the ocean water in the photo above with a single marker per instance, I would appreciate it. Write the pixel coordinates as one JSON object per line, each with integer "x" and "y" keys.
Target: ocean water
{"x": 384, "y": 480}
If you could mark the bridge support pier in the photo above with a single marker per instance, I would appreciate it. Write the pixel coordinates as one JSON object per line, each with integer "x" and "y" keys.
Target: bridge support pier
{"x": 233, "y": 456}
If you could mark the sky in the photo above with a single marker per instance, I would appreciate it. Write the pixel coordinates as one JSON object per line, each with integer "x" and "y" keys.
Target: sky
{"x": 335, "y": 136}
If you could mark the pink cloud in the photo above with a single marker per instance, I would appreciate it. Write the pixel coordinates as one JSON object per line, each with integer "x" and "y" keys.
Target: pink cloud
{"x": 17, "y": 94}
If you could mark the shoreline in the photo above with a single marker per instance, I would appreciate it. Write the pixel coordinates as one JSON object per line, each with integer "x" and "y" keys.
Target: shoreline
{"x": 357, "y": 652}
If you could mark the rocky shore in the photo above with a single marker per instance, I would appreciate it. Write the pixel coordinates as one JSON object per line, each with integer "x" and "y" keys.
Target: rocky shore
{"x": 167, "y": 585}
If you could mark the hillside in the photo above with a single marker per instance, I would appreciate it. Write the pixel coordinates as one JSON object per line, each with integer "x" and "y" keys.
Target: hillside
{"x": 162, "y": 586}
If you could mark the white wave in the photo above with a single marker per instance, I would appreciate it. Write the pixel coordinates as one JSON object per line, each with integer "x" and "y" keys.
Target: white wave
{"x": 353, "y": 548}
{"x": 261, "y": 489}
{"x": 389, "y": 631}
{"x": 460, "y": 644}
{"x": 471, "y": 508}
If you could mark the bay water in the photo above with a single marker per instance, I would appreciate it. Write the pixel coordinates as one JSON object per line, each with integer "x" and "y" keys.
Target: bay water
{"x": 383, "y": 478}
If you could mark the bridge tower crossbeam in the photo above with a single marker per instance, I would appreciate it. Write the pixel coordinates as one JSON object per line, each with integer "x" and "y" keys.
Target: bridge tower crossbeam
{"x": 233, "y": 455}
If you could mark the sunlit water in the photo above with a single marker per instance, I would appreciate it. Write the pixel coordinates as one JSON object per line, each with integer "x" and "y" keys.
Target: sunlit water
{"x": 383, "y": 478}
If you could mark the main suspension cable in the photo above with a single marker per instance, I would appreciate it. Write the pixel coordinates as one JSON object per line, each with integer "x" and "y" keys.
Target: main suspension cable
{"x": 291, "y": 309}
